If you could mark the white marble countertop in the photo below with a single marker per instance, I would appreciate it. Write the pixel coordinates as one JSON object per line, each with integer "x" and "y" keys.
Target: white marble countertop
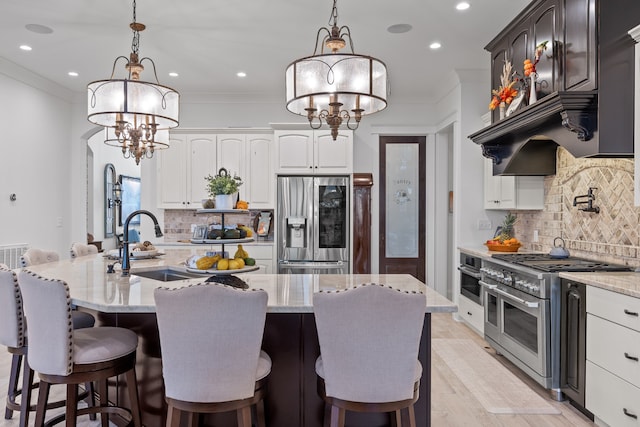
{"x": 92, "y": 287}
{"x": 627, "y": 283}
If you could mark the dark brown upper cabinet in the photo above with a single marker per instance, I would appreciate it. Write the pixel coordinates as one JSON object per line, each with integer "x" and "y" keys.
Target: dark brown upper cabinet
{"x": 585, "y": 85}
{"x": 540, "y": 21}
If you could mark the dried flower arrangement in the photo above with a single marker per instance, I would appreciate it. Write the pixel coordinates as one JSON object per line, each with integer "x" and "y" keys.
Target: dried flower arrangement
{"x": 505, "y": 93}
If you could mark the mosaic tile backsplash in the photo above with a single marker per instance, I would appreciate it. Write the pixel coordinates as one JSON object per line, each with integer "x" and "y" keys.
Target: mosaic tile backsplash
{"x": 177, "y": 222}
{"x": 612, "y": 235}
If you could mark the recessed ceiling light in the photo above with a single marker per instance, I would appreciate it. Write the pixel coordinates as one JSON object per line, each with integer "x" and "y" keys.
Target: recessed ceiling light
{"x": 39, "y": 29}
{"x": 241, "y": 74}
{"x": 399, "y": 28}
{"x": 72, "y": 74}
{"x": 173, "y": 74}
{"x": 435, "y": 45}
{"x": 463, "y": 5}
{"x": 25, "y": 47}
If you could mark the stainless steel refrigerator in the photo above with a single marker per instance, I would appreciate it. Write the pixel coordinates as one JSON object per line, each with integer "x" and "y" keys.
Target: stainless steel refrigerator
{"x": 313, "y": 224}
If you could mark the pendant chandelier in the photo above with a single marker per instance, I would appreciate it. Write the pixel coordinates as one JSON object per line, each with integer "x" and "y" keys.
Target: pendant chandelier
{"x": 336, "y": 87}
{"x": 135, "y": 113}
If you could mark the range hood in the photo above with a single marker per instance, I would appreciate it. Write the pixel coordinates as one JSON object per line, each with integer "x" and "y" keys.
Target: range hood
{"x": 525, "y": 143}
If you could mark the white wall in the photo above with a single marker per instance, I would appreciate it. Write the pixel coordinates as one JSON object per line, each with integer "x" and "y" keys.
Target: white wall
{"x": 36, "y": 144}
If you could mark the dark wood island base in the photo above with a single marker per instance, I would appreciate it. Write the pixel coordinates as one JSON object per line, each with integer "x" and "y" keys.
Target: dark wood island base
{"x": 292, "y": 398}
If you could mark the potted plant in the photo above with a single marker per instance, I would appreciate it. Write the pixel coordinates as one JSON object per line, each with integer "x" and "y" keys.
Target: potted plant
{"x": 223, "y": 188}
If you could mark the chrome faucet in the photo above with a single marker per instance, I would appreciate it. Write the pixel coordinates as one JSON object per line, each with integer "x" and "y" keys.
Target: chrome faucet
{"x": 125, "y": 244}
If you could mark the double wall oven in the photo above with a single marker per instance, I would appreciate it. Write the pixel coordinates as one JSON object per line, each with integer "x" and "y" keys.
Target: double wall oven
{"x": 522, "y": 310}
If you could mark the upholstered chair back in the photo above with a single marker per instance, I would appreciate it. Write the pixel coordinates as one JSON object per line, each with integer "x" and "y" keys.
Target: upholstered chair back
{"x": 369, "y": 339}
{"x": 80, "y": 249}
{"x": 210, "y": 338}
{"x": 35, "y": 256}
{"x": 47, "y": 308}
{"x": 12, "y": 324}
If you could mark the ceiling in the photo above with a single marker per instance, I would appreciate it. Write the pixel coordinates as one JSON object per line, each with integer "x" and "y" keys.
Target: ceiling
{"x": 208, "y": 41}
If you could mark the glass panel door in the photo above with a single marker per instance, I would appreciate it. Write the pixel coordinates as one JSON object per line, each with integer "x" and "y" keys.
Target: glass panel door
{"x": 402, "y": 184}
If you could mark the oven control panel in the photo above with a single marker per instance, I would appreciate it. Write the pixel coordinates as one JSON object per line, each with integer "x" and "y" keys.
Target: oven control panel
{"x": 513, "y": 279}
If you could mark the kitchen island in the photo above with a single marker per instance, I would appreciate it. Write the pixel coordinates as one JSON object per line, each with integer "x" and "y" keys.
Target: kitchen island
{"x": 290, "y": 336}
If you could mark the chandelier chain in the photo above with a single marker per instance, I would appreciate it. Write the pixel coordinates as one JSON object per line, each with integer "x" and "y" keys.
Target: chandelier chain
{"x": 135, "y": 44}
{"x": 334, "y": 13}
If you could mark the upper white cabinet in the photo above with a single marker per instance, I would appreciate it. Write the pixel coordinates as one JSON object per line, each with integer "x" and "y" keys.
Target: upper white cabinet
{"x": 181, "y": 170}
{"x": 312, "y": 152}
{"x": 261, "y": 175}
{"x": 191, "y": 157}
{"x": 250, "y": 156}
{"x": 512, "y": 192}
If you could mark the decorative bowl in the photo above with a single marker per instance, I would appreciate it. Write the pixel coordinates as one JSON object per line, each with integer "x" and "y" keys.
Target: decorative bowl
{"x": 503, "y": 248}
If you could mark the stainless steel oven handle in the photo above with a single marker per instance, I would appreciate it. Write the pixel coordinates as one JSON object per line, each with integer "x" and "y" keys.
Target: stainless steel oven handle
{"x": 519, "y": 300}
{"x": 487, "y": 285}
{"x": 470, "y": 272}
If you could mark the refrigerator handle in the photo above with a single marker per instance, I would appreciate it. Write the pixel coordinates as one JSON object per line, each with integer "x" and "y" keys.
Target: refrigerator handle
{"x": 324, "y": 265}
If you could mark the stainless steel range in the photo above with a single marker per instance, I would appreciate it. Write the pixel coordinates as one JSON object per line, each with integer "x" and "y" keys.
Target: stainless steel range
{"x": 522, "y": 310}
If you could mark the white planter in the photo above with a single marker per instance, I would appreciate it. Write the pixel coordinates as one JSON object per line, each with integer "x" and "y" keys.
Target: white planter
{"x": 225, "y": 201}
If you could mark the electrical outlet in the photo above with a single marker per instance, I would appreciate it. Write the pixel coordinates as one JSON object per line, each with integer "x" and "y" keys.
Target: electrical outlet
{"x": 484, "y": 224}
{"x": 59, "y": 222}
{"x": 193, "y": 228}
{"x": 535, "y": 236}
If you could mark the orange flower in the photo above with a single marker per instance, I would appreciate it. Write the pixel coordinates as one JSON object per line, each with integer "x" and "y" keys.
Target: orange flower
{"x": 494, "y": 103}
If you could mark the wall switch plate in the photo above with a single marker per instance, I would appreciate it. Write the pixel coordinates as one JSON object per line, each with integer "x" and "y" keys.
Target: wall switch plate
{"x": 535, "y": 236}
{"x": 193, "y": 228}
{"x": 484, "y": 224}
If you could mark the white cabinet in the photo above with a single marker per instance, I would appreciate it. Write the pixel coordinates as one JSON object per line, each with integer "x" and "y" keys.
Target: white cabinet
{"x": 181, "y": 170}
{"x": 612, "y": 378}
{"x": 191, "y": 157}
{"x": 313, "y": 152}
{"x": 472, "y": 314}
{"x": 512, "y": 192}
{"x": 250, "y": 156}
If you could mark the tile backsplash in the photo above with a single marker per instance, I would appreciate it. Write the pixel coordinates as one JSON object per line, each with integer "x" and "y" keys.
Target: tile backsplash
{"x": 177, "y": 222}
{"x": 612, "y": 235}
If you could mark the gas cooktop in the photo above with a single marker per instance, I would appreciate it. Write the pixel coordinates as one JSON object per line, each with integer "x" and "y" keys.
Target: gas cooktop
{"x": 544, "y": 262}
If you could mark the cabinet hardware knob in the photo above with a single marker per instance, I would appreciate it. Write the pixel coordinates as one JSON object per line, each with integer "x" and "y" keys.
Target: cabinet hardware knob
{"x": 631, "y": 313}
{"x": 630, "y": 357}
{"x": 629, "y": 414}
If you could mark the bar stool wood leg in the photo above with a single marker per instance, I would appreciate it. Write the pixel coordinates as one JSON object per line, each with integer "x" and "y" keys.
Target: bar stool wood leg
{"x": 12, "y": 392}
{"x": 71, "y": 410}
{"x": 103, "y": 391}
{"x": 260, "y": 418}
{"x": 337, "y": 416}
{"x": 27, "y": 384}
{"x": 43, "y": 397}
{"x": 173, "y": 416}
{"x": 244, "y": 416}
{"x": 134, "y": 403}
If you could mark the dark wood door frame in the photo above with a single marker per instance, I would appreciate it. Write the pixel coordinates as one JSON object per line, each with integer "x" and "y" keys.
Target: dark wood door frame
{"x": 414, "y": 266}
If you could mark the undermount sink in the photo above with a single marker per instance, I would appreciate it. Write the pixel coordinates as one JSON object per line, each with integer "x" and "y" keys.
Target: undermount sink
{"x": 165, "y": 274}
